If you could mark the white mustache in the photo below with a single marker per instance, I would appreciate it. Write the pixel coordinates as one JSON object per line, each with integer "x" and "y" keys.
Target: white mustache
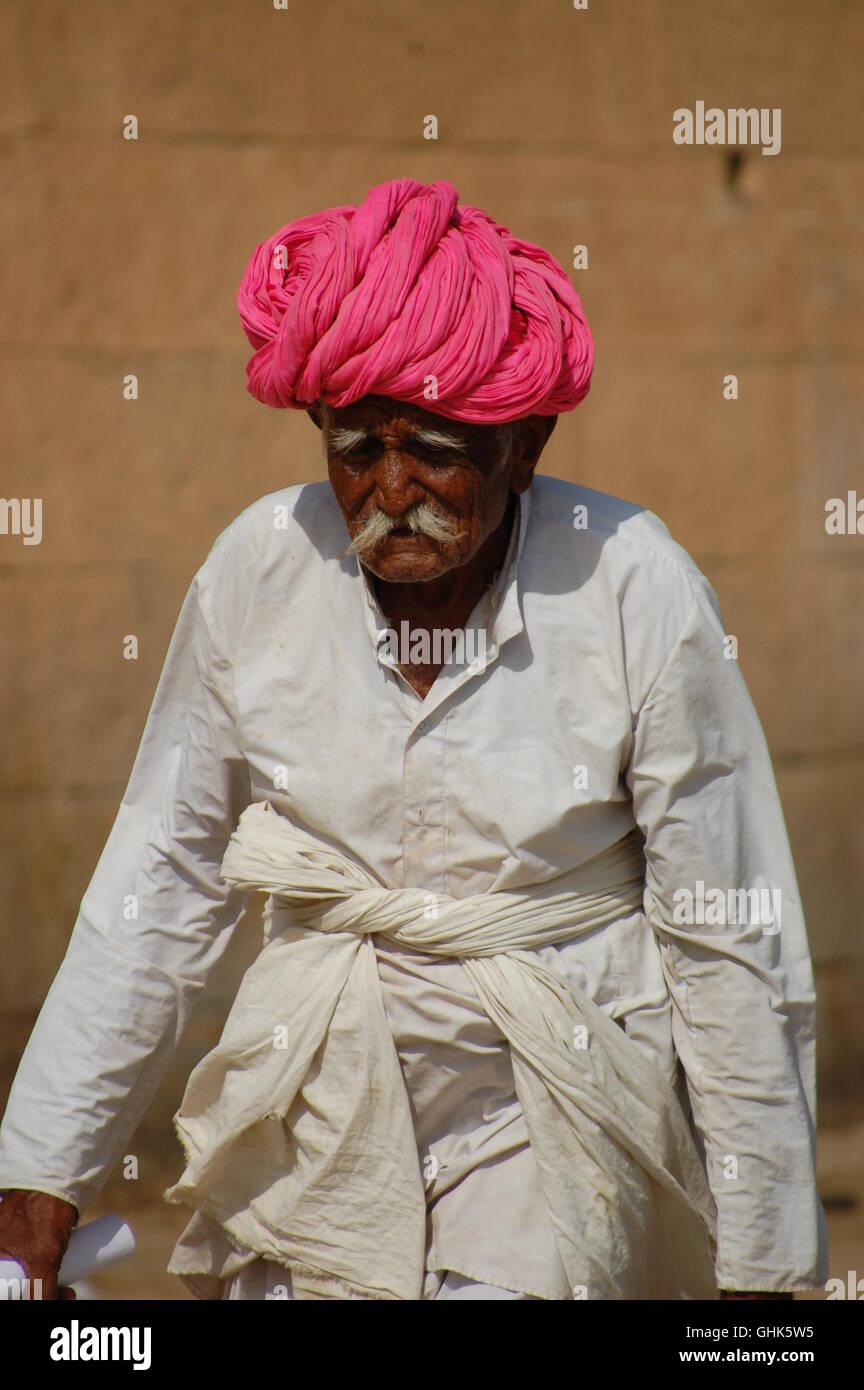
{"x": 423, "y": 519}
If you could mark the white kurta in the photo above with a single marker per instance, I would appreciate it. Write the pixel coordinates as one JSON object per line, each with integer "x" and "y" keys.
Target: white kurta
{"x": 604, "y": 697}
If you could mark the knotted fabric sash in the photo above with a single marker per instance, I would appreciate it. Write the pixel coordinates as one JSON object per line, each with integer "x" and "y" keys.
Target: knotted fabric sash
{"x": 297, "y": 1127}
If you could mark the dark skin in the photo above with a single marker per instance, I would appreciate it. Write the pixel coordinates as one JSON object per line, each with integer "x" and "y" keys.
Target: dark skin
{"x": 35, "y": 1230}
{"x": 428, "y": 583}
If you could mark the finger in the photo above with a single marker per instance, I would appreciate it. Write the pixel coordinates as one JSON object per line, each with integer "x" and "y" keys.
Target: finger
{"x": 65, "y": 1294}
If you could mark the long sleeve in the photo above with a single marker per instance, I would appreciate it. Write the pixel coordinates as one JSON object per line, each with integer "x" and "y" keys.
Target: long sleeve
{"x": 154, "y": 920}
{"x": 737, "y": 968}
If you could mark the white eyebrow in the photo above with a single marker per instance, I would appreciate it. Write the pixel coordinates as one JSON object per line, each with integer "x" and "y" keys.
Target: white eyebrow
{"x": 439, "y": 439}
{"x": 342, "y": 440}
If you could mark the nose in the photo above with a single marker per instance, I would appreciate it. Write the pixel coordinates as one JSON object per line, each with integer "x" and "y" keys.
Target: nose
{"x": 396, "y": 485}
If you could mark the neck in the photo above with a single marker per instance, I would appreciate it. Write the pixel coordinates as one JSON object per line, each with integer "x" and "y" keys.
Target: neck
{"x": 449, "y": 600}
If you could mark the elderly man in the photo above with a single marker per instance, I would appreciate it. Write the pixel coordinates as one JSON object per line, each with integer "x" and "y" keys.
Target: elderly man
{"x": 534, "y": 1013}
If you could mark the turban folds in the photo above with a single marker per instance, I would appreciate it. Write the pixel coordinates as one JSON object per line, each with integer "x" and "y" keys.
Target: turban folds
{"x": 411, "y": 295}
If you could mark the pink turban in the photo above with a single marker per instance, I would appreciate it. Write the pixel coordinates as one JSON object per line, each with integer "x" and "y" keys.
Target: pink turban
{"x": 412, "y": 296}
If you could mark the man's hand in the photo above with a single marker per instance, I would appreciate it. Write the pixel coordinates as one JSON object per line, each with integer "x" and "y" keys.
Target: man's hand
{"x": 35, "y": 1230}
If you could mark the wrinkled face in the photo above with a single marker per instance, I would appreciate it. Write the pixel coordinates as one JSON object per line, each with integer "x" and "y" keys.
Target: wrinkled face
{"x": 421, "y": 493}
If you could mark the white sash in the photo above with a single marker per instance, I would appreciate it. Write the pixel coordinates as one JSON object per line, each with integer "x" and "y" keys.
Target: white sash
{"x": 297, "y": 1127}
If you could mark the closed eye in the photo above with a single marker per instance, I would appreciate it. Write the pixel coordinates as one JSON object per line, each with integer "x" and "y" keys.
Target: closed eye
{"x": 436, "y": 453}
{"x": 362, "y": 451}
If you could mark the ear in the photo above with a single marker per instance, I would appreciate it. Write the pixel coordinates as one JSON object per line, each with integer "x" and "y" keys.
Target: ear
{"x": 534, "y": 433}
{"x": 316, "y": 414}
